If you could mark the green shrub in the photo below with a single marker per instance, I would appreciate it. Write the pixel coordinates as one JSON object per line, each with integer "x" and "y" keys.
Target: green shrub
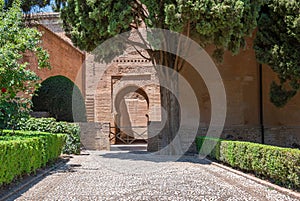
{"x": 280, "y": 165}
{"x": 209, "y": 147}
{"x": 12, "y": 111}
{"x": 24, "y": 152}
{"x": 50, "y": 125}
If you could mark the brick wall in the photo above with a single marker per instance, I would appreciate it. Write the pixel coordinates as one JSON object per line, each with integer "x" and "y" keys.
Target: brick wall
{"x": 65, "y": 59}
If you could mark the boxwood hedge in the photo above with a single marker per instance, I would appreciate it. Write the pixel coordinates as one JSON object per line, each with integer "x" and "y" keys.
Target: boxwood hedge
{"x": 72, "y": 130}
{"x": 25, "y": 152}
{"x": 280, "y": 165}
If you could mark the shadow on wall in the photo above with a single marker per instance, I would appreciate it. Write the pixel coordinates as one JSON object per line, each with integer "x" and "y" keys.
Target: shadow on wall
{"x": 61, "y": 98}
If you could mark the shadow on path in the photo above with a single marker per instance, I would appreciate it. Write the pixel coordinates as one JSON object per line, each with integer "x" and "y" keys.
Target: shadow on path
{"x": 139, "y": 153}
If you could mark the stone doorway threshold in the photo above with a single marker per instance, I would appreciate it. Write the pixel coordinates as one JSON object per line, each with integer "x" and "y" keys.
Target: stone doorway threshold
{"x": 128, "y": 147}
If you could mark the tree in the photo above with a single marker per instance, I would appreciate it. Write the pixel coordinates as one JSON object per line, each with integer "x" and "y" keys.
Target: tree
{"x": 58, "y": 5}
{"x": 277, "y": 44}
{"x": 27, "y": 5}
{"x": 15, "y": 77}
{"x": 221, "y": 23}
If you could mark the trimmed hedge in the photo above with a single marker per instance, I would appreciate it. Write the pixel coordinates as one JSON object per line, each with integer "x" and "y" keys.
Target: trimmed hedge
{"x": 50, "y": 125}
{"x": 25, "y": 152}
{"x": 280, "y": 165}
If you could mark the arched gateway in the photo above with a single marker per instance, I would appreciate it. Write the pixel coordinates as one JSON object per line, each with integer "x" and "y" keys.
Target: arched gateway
{"x": 131, "y": 107}
{"x": 126, "y": 96}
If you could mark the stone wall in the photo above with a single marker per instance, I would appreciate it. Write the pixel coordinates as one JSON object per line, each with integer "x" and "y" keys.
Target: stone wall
{"x": 250, "y": 134}
{"x": 154, "y": 136}
{"x": 285, "y": 136}
{"x": 239, "y": 74}
{"x": 95, "y": 136}
{"x": 281, "y": 123}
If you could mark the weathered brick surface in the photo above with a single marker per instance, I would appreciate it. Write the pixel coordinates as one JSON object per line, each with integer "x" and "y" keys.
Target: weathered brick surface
{"x": 286, "y": 136}
{"x": 95, "y": 136}
{"x": 106, "y": 82}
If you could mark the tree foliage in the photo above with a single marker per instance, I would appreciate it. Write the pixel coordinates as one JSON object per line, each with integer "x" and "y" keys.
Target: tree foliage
{"x": 58, "y": 5}
{"x": 222, "y": 23}
{"x": 277, "y": 44}
{"x": 15, "y": 77}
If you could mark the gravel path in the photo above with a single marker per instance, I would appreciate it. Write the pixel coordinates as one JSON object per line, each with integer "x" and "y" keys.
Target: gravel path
{"x": 121, "y": 175}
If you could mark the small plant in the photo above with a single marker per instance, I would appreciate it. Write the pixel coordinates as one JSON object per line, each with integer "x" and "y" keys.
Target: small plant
{"x": 13, "y": 111}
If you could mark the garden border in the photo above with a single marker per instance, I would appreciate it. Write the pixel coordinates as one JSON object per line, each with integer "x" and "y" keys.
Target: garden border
{"x": 32, "y": 179}
{"x": 291, "y": 193}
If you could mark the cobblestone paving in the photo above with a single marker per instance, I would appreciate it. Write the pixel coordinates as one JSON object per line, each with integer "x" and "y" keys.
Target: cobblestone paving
{"x": 140, "y": 176}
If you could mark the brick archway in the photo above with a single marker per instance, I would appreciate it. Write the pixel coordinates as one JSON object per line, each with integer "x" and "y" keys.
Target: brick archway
{"x": 131, "y": 108}
{"x": 61, "y": 98}
{"x": 107, "y": 80}
{"x": 129, "y": 89}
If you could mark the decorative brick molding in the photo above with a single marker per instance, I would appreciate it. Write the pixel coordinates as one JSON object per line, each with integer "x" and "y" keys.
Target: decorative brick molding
{"x": 50, "y": 20}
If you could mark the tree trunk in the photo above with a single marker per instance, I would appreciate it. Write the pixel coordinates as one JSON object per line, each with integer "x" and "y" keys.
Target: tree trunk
{"x": 167, "y": 66}
{"x": 170, "y": 110}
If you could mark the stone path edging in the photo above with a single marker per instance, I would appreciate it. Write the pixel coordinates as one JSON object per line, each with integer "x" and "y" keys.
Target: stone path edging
{"x": 31, "y": 180}
{"x": 256, "y": 179}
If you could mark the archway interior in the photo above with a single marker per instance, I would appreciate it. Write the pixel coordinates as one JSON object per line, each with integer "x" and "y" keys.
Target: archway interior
{"x": 131, "y": 118}
{"x": 61, "y": 99}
